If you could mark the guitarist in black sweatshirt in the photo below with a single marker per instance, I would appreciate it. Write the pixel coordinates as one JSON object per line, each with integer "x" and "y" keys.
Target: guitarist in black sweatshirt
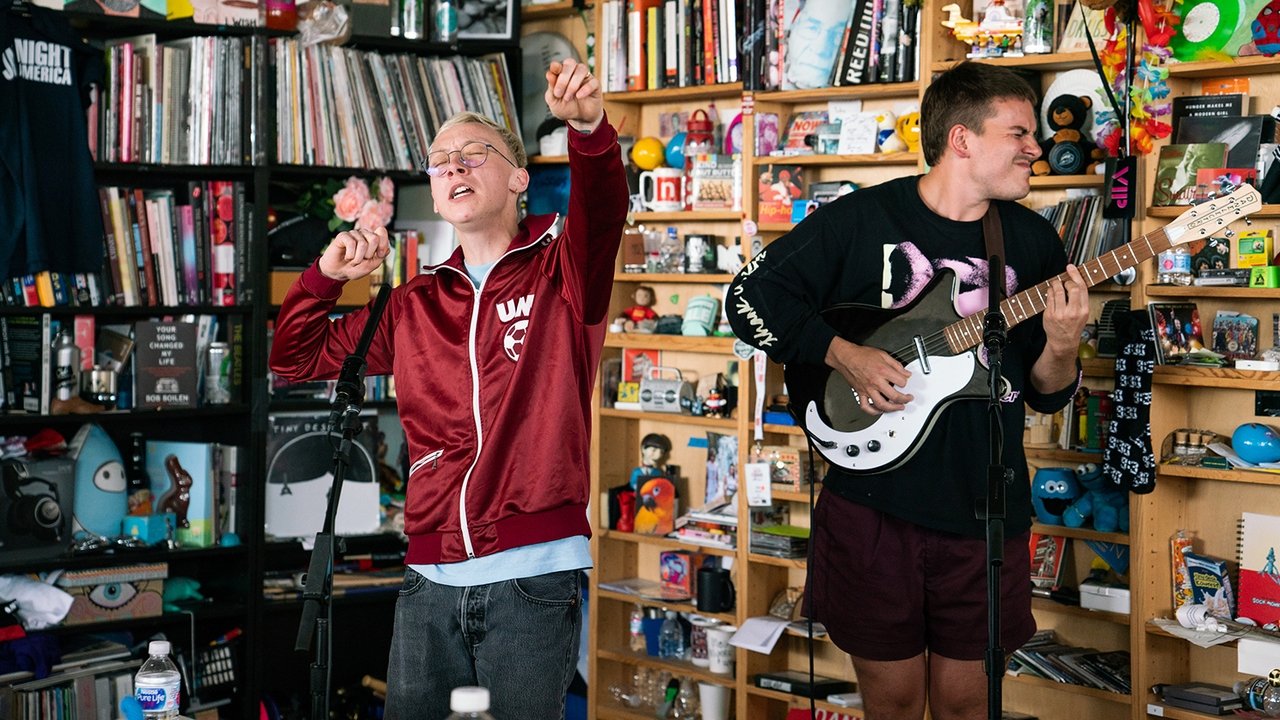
{"x": 898, "y": 561}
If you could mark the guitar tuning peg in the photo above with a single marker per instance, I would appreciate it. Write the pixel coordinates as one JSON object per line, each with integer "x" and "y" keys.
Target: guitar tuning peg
{"x": 1248, "y": 221}
{"x": 1229, "y": 234}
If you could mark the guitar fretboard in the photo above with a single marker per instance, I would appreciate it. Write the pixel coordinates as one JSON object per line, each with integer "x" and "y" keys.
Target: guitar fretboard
{"x": 964, "y": 334}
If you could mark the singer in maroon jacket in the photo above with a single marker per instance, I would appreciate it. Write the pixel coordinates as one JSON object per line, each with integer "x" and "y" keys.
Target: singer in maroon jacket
{"x": 494, "y": 353}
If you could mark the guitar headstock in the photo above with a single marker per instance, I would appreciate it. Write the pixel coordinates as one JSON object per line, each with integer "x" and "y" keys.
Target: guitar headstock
{"x": 1214, "y": 215}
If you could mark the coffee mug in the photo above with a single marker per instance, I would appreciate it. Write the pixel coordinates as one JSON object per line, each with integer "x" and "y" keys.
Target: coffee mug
{"x": 662, "y": 190}
{"x": 715, "y": 590}
{"x": 698, "y": 639}
{"x": 719, "y": 651}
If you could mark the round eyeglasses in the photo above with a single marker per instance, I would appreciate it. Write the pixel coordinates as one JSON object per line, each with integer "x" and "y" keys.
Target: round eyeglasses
{"x": 471, "y": 155}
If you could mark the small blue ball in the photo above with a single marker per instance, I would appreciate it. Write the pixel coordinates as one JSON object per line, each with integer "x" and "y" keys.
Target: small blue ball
{"x": 675, "y": 151}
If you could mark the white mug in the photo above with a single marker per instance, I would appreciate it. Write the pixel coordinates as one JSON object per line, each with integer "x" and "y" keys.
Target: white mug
{"x": 719, "y": 651}
{"x": 714, "y": 701}
{"x": 662, "y": 189}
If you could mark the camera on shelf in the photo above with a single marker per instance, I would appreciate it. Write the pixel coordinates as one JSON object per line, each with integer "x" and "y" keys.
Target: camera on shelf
{"x": 37, "y": 508}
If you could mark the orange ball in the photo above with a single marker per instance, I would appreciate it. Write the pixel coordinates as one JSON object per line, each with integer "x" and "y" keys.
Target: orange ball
{"x": 647, "y": 153}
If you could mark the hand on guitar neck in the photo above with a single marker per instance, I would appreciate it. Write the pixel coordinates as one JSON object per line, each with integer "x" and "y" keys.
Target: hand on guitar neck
{"x": 1065, "y": 314}
{"x": 872, "y": 373}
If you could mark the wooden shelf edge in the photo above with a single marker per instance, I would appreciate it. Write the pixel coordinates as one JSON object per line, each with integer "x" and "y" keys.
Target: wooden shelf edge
{"x": 795, "y": 563}
{"x": 1212, "y": 291}
{"x": 676, "y": 418}
{"x": 1220, "y": 68}
{"x": 699, "y": 92}
{"x": 666, "y": 542}
{"x": 1069, "y": 456}
{"x": 802, "y": 701}
{"x": 868, "y": 90}
{"x": 900, "y": 158}
{"x": 675, "y": 667}
{"x": 675, "y": 343}
{"x": 1048, "y": 61}
{"x": 1107, "y": 695}
{"x": 678, "y": 606}
{"x": 1216, "y": 377}
{"x": 1079, "y": 533}
{"x": 688, "y": 278}
{"x": 688, "y": 216}
{"x": 1254, "y": 477}
{"x": 550, "y": 11}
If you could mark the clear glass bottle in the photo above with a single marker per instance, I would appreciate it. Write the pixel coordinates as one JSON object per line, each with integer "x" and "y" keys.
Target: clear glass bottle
{"x": 413, "y": 18}
{"x": 671, "y": 252}
{"x": 636, "y": 629}
{"x": 671, "y": 637}
{"x": 469, "y": 703}
{"x": 1260, "y": 694}
{"x": 158, "y": 685}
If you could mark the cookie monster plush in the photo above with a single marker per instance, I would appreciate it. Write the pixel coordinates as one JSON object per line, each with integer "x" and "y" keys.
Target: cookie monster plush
{"x": 1105, "y": 503}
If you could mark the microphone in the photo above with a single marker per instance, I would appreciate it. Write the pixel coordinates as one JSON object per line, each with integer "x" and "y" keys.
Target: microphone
{"x": 348, "y": 395}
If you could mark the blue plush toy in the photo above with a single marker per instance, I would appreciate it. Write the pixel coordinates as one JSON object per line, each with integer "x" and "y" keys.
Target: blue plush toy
{"x": 1053, "y": 490}
{"x": 1106, "y": 504}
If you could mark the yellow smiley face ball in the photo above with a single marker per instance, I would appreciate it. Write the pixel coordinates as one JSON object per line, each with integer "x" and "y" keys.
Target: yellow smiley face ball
{"x": 647, "y": 153}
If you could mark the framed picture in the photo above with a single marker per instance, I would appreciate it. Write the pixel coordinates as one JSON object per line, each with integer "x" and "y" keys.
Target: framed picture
{"x": 486, "y": 19}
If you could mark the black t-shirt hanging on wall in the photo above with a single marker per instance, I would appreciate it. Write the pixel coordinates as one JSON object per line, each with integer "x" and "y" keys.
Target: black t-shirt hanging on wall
{"x": 49, "y": 215}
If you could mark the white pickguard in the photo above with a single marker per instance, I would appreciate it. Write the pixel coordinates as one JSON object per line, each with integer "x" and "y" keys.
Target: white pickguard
{"x": 897, "y": 432}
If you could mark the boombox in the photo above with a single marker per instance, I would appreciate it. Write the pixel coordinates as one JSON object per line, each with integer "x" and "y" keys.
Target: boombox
{"x": 664, "y": 394}
{"x": 37, "y": 508}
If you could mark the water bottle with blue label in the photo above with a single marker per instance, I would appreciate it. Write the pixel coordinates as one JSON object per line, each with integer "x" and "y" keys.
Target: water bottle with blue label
{"x": 158, "y": 685}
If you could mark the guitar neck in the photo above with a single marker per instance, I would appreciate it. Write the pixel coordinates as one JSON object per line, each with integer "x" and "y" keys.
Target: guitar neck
{"x": 967, "y": 333}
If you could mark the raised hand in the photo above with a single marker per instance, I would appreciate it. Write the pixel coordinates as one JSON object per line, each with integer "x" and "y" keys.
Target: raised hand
{"x": 573, "y": 95}
{"x": 354, "y": 254}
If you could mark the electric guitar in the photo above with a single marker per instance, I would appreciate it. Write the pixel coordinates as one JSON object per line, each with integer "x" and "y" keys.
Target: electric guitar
{"x": 940, "y": 349}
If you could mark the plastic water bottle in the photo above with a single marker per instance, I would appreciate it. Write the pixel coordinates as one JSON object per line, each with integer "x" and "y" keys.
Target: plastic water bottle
{"x": 670, "y": 637}
{"x": 636, "y": 629}
{"x": 1260, "y": 693}
{"x": 469, "y": 703}
{"x": 158, "y": 685}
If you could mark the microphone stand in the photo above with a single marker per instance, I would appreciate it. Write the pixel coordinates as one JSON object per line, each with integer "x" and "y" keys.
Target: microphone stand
{"x": 993, "y": 509}
{"x": 317, "y": 594}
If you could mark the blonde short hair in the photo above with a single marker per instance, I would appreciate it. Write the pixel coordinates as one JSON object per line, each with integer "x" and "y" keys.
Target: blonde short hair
{"x": 513, "y": 141}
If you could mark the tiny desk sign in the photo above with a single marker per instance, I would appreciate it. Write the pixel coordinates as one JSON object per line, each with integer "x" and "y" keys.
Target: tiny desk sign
{"x": 166, "y": 357}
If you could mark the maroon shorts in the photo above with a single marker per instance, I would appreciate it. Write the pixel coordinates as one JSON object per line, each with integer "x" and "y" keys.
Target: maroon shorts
{"x": 887, "y": 589}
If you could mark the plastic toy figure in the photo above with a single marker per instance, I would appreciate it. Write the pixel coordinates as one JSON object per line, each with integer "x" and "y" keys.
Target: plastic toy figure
{"x": 641, "y": 317}
{"x": 654, "y": 451}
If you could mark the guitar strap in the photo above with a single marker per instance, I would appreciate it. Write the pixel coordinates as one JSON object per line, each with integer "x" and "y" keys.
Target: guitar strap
{"x": 993, "y": 233}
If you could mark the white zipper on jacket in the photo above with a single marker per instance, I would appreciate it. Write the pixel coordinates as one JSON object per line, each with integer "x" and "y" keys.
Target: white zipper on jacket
{"x": 428, "y": 458}
{"x": 463, "y": 523}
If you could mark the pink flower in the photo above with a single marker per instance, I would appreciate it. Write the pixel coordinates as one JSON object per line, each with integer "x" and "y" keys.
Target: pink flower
{"x": 385, "y": 211}
{"x": 359, "y": 187}
{"x": 347, "y": 204}
{"x": 370, "y": 216}
{"x": 386, "y": 190}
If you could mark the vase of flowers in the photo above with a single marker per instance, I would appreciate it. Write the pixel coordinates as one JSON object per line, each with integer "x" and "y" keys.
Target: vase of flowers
{"x": 352, "y": 203}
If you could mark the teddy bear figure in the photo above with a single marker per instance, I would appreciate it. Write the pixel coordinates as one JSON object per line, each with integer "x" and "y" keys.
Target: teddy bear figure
{"x": 1106, "y": 504}
{"x": 1069, "y": 151}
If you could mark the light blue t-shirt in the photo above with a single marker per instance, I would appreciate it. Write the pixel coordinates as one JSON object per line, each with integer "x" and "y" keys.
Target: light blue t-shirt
{"x": 478, "y": 273}
{"x": 571, "y": 553}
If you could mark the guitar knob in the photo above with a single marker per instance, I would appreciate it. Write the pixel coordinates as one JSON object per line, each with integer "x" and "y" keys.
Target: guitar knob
{"x": 873, "y": 445}
{"x": 851, "y": 451}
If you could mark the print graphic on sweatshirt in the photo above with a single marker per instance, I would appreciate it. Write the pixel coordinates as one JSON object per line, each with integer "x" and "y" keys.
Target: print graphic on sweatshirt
{"x": 907, "y": 272}
{"x": 36, "y": 61}
{"x": 514, "y": 313}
